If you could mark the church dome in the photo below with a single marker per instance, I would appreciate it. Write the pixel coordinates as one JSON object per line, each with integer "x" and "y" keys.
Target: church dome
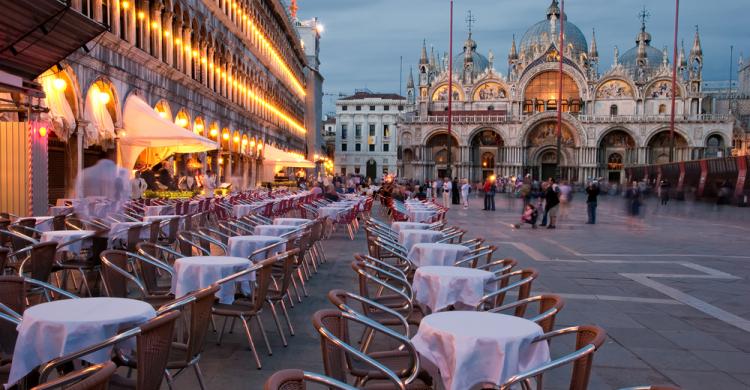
{"x": 543, "y": 34}
{"x": 654, "y": 56}
{"x": 481, "y": 63}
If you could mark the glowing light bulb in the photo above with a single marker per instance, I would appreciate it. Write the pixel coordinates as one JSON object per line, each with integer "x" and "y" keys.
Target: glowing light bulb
{"x": 103, "y": 97}
{"x": 221, "y": 160}
{"x": 182, "y": 122}
{"x": 213, "y": 132}
{"x": 43, "y": 131}
{"x": 178, "y": 41}
{"x": 236, "y": 139}
{"x": 198, "y": 127}
{"x": 141, "y": 15}
{"x": 125, "y": 5}
{"x": 60, "y": 84}
{"x": 225, "y": 136}
{"x": 252, "y": 143}
{"x": 166, "y": 34}
{"x": 244, "y": 142}
{"x": 155, "y": 25}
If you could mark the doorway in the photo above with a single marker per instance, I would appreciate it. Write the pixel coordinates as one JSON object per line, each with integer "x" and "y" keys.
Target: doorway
{"x": 614, "y": 177}
{"x": 372, "y": 169}
{"x": 549, "y": 170}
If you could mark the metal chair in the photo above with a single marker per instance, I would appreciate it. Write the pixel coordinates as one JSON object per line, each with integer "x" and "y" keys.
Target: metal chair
{"x": 549, "y": 306}
{"x": 497, "y": 297}
{"x": 94, "y": 377}
{"x": 296, "y": 379}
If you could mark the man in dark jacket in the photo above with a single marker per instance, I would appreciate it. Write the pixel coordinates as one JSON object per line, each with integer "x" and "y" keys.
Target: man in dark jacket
{"x": 592, "y": 193}
{"x": 551, "y": 203}
{"x": 455, "y": 195}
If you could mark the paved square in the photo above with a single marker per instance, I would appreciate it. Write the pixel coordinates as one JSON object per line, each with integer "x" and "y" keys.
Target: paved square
{"x": 670, "y": 289}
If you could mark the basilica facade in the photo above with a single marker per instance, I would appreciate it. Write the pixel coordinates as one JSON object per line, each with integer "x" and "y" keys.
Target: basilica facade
{"x": 505, "y": 124}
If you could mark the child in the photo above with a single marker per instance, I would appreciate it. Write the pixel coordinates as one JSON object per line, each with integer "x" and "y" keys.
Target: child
{"x": 529, "y": 216}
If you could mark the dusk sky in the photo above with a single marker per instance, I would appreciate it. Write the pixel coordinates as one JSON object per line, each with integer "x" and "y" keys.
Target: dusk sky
{"x": 363, "y": 39}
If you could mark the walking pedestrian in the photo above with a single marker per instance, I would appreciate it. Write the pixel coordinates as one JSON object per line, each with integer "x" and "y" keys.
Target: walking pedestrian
{"x": 447, "y": 189}
{"x": 455, "y": 191}
{"x": 592, "y": 192}
{"x": 137, "y": 186}
{"x": 664, "y": 192}
{"x": 465, "y": 189}
{"x": 551, "y": 203}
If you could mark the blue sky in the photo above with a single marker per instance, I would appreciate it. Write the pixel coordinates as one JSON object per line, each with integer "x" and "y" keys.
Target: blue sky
{"x": 363, "y": 39}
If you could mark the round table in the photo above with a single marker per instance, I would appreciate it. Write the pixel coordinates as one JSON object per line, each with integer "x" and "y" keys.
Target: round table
{"x": 61, "y": 210}
{"x": 410, "y": 237}
{"x": 474, "y": 347}
{"x": 53, "y": 329}
{"x": 398, "y": 226}
{"x": 273, "y": 230}
{"x": 118, "y": 231}
{"x": 43, "y": 224}
{"x": 437, "y": 287}
{"x": 331, "y": 211}
{"x": 197, "y": 272}
{"x": 64, "y": 236}
{"x": 241, "y": 210}
{"x": 291, "y": 221}
{"x": 436, "y": 254}
{"x": 421, "y": 215}
{"x": 158, "y": 210}
{"x": 244, "y": 246}
{"x": 151, "y": 218}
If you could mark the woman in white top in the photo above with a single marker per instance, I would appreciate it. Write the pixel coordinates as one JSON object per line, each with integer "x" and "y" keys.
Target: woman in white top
{"x": 447, "y": 187}
{"x": 465, "y": 193}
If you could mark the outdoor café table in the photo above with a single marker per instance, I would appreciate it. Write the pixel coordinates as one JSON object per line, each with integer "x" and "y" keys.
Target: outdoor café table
{"x": 291, "y": 221}
{"x": 331, "y": 211}
{"x": 244, "y": 246}
{"x": 273, "y": 230}
{"x": 436, "y": 254}
{"x": 43, "y": 224}
{"x": 152, "y": 218}
{"x": 409, "y": 237}
{"x": 398, "y": 226}
{"x": 470, "y": 347}
{"x": 158, "y": 210}
{"x": 63, "y": 236}
{"x": 241, "y": 210}
{"x": 61, "y": 210}
{"x": 54, "y": 329}
{"x": 118, "y": 231}
{"x": 438, "y": 287}
{"x": 420, "y": 215}
{"x": 195, "y": 273}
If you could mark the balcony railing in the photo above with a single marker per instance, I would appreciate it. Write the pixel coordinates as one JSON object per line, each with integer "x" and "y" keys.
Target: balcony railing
{"x": 462, "y": 119}
{"x": 652, "y": 118}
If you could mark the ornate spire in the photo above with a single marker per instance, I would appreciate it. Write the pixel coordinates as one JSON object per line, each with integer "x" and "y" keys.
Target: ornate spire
{"x": 664, "y": 56}
{"x": 616, "y": 59}
{"x": 423, "y": 58}
{"x": 696, "y": 51}
{"x": 410, "y": 82}
{"x": 513, "y": 51}
{"x": 553, "y": 9}
{"x": 433, "y": 63}
{"x": 593, "y": 51}
{"x": 683, "y": 59}
{"x": 643, "y": 34}
{"x": 491, "y": 59}
{"x": 642, "y": 55}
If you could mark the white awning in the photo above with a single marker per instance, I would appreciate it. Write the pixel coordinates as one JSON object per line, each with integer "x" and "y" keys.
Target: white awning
{"x": 280, "y": 158}
{"x": 144, "y": 128}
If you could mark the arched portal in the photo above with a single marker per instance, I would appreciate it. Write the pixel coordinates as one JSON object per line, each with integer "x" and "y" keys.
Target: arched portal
{"x": 542, "y": 91}
{"x": 616, "y": 149}
{"x": 436, "y": 154}
{"x": 371, "y": 169}
{"x": 486, "y": 150}
{"x": 541, "y": 149}
{"x": 660, "y": 144}
{"x": 714, "y": 146}
{"x": 407, "y": 160}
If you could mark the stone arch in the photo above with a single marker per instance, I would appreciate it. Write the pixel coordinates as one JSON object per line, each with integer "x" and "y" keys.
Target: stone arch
{"x": 428, "y": 135}
{"x": 648, "y": 88}
{"x": 183, "y": 119}
{"x": 164, "y": 109}
{"x": 115, "y": 99}
{"x": 502, "y": 93}
{"x": 476, "y": 130}
{"x": 658, "y": 146}
{"x": 436, "y": 93}
{"x": 570, "y": 121}
{"x": 677, "y": 131}
{"x": 571, "y": 71}
{"x": 73, "y": 92}
{"x": 634, "y": 92}
{"x": 612, "y": 129}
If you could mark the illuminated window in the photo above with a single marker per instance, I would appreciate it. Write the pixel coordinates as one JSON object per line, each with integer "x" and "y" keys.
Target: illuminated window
{"x": 545, "y": 88}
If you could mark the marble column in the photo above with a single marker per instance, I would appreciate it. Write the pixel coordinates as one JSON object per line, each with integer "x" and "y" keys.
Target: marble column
{"x": 166, "y": 23}
{"x": 186, "y": 51}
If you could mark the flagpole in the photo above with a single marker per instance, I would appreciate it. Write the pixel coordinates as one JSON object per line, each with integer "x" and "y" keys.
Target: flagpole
{"x": 674, "y": 81}
{"x": 450, "y": 97}
{"x": 561, "y": 51}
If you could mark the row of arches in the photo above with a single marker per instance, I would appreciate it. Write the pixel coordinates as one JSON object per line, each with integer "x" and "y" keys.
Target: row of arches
{"x": 485, "y": 151}
{"x": 216, "y": 53}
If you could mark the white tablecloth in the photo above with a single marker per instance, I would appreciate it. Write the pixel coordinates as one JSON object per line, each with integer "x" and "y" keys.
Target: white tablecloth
{"x": 193, "y": 206}
{"x": 119, "y": 231}
{"x": 243, "y": 246}
{"x": 436, "y": 254}
{"x": 291, "y": 221}
{"x": 437, "y": 287}
{"x": 331, "y": 211}
{"x": 54, "y": 329}
{"x": 158, "y": 210}
{"x": 43, "y": 223}
{"x": 63, "y": 236}
{"x": 241, "y": 210}
{"x": 398, "y": 226}
{"x": 165, "y": 225}
{"x": 61, "y": 210}
{"x": 473, "y": 347}
{"x": 421, "y": 215}
{"x": 195, "y": 273}
{"x": 273, "y": 230}
{"x": 409, "y": 237}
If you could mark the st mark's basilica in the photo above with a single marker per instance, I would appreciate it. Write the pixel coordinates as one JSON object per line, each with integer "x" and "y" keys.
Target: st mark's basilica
{"x": 506, "y": 124}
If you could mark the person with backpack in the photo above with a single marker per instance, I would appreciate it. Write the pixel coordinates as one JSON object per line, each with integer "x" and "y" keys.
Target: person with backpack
{"x": 551, "y": 204}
